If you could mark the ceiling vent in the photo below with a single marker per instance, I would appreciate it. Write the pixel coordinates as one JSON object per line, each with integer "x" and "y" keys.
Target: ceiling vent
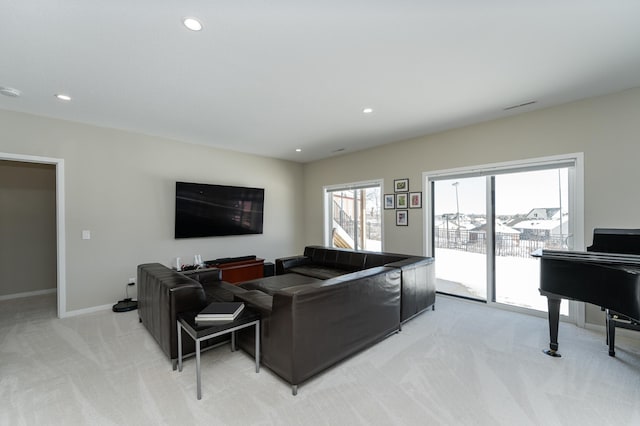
{"x": 519, "y": 105}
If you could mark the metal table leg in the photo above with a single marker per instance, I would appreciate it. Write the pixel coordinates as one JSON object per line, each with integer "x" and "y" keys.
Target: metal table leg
{"x": 198, "y": 368}
{"x": 257, "y": 327}
{"x": 179, "y": 347}
{"x": 256, "y": 324}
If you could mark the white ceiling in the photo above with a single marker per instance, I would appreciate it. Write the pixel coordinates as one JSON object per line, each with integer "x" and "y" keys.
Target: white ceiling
{"x": 267, "y": 77}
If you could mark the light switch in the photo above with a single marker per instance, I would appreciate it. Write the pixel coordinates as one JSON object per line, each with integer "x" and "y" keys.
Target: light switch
{"x": 86, "y": 235}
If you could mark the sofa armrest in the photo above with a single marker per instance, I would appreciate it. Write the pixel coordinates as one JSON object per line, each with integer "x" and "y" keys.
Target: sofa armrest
{"x": 410, "y": 262}
{"x": 257, "y": 300}
{"x": 285, "y": 263}
{"x": 418, "y": 285}
{"x": 162, "y": 295}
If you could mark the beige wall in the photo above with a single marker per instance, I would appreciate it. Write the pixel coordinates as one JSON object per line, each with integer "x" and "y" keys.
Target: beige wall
{"x": 27, "y": 227}
{"x": 606, "y": 129}
{"x": 121, "y": 185}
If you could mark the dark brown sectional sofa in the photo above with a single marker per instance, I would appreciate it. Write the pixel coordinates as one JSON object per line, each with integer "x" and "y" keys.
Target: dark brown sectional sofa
{"x": 417, "y": 272}
{"x": 320, "y": 308}
{"x": 327, "y": 304}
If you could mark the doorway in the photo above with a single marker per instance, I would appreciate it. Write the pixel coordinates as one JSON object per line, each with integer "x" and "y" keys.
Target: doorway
{"x": 59, "y": 221}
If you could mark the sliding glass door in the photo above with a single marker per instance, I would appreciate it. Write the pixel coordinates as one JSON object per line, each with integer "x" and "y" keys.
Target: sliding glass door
{"x": 459, "y": 239}
{"x": 532, "y": 210}
{"x": 485, "y": 224}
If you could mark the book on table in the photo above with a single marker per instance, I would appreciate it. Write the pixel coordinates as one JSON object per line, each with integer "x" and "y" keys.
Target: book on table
{"x": 220, "y": 312}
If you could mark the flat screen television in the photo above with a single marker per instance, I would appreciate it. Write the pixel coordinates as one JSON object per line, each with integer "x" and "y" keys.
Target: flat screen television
{"x": 204, "y": 210}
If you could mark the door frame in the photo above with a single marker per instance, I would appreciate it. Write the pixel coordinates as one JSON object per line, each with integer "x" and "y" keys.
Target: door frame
{"x": 577, "y": 312}
{"x": 60, "y": 222}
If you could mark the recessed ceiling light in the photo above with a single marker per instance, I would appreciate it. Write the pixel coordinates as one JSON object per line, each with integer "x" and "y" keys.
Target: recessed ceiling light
{"x": 298, "y": 149}
{"x": 63, "y": 97}
{"x": 10, "y": 92}
{"x": 367, "y": 110}
{"x": 192, "y": 23}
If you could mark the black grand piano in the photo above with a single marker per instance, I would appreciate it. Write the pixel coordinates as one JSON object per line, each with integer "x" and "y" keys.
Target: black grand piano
{"x": 607, "y": 275}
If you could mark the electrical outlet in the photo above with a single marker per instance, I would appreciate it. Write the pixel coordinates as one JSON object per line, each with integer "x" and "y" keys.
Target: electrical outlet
{"x": 132, "y": 280}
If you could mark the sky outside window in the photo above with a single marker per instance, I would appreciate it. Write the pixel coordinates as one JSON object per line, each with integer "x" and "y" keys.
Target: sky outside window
{"x": 528, "y": 190}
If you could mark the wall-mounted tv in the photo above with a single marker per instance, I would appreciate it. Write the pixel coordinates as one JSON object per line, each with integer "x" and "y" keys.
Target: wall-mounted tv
{"x": 204, "y": 210}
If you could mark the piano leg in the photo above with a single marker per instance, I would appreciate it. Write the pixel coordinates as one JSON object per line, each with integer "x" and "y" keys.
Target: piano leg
{"x": 611, "y": 333}
{"x": 606, "y": 326}
{"x": 553, "y": 305}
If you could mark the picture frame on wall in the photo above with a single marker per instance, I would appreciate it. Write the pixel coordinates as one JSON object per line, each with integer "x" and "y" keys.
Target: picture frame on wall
{"x": 389, "y": 201}
{"x": 401, "y": 201}
{"x": 401, "y": 185}
{"x": 402, "y": 217}
{"x": 415, "y": 200}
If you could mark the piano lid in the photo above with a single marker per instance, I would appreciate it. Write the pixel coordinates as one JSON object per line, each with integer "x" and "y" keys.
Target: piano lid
{"x": 615, "y": 240}
{"x": 589, "y": 257}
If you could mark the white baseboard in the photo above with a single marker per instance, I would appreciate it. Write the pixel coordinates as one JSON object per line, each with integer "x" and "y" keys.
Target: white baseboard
{"x": 28, "y": 294}
{"x": 87, "y": 310}
{"x": 53, "y": 291}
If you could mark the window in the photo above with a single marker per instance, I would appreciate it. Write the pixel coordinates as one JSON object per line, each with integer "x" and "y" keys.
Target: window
{"x": 353, "y": 216}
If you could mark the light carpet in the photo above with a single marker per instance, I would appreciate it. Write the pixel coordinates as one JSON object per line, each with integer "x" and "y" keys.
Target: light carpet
{"x": 463, "y": 364}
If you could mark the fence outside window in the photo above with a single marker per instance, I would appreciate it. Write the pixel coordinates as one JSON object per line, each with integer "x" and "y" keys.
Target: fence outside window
{"x": 506, "y": 244}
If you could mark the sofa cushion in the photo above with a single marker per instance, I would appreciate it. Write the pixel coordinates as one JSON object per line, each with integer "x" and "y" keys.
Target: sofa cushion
{"x": 324, "y": 257}
{"x": 204, "y": 276}
{"x": 351, "y": 260}
{"x": 270, "y": 285}
{"x": 317, "y": 271}
{"x": 335, "y": 258}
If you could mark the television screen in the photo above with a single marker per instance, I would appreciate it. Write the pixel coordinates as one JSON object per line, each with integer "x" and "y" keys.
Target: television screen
{"x": 204, "y": 210}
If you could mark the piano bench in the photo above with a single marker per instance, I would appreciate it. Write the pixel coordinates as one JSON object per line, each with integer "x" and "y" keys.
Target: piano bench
{"x": 614, "y": 320}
